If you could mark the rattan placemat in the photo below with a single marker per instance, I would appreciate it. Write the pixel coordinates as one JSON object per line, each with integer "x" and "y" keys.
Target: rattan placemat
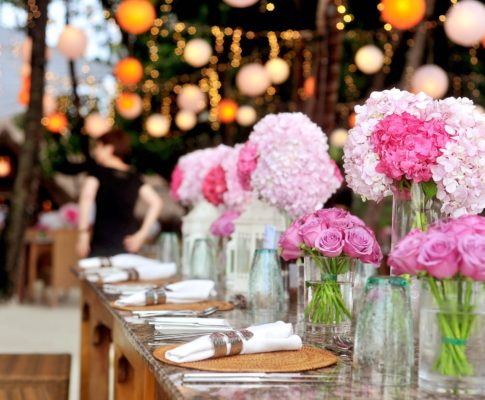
{"x": 222, "y": 305}
{"x": 306, "y": 359}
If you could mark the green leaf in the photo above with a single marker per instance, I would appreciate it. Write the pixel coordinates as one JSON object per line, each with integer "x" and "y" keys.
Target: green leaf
{"x": 430, "y": 189}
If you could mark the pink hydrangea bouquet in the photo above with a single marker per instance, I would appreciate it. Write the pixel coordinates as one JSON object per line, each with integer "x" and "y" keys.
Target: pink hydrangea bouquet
{"x": 221, "y": 185}
{"x": 332, "y": 238}
{"x": 401, "y": 139}
{"x": 449, "y": 257}
{"x": 190, "y": 171}
{"x": 286, "y": 163}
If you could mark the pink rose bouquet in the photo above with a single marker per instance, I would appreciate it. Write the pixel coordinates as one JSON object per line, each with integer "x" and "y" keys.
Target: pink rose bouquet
{"x": 449, "y": 257}
{"x": 401, "y": 139}
{"x": 332, "y": 238}
{"x": 286, "y": 163}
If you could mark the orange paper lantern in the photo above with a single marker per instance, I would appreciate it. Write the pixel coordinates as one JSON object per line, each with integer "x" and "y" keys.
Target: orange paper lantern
{"x": 352, "y": 120}
{"x": 129, "y": 71}
{"x": 309, "y": 86}
{"x": 135, "y": 16}
{"x": 227, "y": 111}
{"x": 403, "y": 14}
{"x": 56, "y": 122}
{"x": 129, "y": 105}
{"x": 5, "y": 166}
{"x": 24, "y": 94}
{"x": 483, "y": 42}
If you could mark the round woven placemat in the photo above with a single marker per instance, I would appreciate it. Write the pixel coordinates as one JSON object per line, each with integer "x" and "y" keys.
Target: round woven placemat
{"x": 222, "y": 305}
{"x": 306, "y": 359}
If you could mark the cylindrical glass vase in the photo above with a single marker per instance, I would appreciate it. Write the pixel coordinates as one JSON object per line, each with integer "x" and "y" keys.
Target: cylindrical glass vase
{"x": 328, "y": 295}
{"x": 452, "y": 332}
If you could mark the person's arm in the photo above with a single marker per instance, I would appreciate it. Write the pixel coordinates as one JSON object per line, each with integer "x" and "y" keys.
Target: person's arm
{"x": 86, "y": 202}
{"x": 134, "y": 242}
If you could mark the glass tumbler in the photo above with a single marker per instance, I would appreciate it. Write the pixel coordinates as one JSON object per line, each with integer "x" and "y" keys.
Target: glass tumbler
{"x": 169, "y": 248}
{"x": 203, "y": 260}
{"x": 383, "y": 345}
{"x": 266, "y": 289}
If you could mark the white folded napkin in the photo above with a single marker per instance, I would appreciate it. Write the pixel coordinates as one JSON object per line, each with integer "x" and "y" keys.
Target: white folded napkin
{"x": 144, "y": 272}
{"x": 118, "y": 261}
{"x": 191, "y": 291}
{"x": 277, "y": 336}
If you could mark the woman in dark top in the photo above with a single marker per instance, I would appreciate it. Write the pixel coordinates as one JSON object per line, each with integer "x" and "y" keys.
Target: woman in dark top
{"x": 114, "y": 188}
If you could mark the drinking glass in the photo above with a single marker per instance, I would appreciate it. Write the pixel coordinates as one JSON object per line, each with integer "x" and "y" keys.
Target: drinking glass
{"x": 169, "y": 248}
{"x": 383, "y": 345}
{"x": 266, "y": 293}
{"x": 203, "y": 260}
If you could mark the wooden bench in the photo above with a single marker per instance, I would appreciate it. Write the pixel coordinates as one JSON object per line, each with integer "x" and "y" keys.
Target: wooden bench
{"x": 34, "y": 376}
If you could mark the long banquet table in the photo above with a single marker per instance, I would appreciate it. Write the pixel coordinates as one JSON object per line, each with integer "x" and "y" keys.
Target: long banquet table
{"x": 138, "y": 375}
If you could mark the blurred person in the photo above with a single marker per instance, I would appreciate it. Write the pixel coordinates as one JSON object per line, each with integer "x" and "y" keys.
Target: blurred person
{"x": 113, "y": 187}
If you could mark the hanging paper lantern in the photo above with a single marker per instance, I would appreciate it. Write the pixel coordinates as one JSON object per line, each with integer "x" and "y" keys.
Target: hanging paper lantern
{"x": 25, "y": 70}
{"x": 72, "y": 42}
{"x": 24, "y": 94}
{"x": 227, "y": 111}
{"x": 431, "y": 80}
{"x": 197, "y": 52}
{"x": 465, "y": 24}
{"x": 253, "y": 80}
{"x": 56, "y": 122}
{"x": 191, "y": 98}
{"x": 369, "y": 59}
{"x": 129, "y": 105}
{"x": 185, "y": 120}
{"x": 338, "y": 137}
{"x": 26, "y": 50}
{"x": 403, "y": 14}
{"x": 96, "y": 125}
{"x": 246, "y": 116}
{"x": 278, "y": 70}
{"x": 129, "y": 71}
{"x": 157, "y": 125}
{"x": 352, "y": 120}
{"x": 241, "y": 3}
{"x": 5, "y": 166}
{"x": 135, "y": 16}
{"x": 49, "y": 105}
{"x": 309, "y": 86}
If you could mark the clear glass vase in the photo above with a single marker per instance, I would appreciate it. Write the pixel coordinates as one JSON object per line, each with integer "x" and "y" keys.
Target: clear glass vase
{"x": 169, "y": 249}
{"x": 362, "y": 273}
{"x": 328, "y": 295}
{"x": 452, "y": 332}
{"x": 203, "y": 260}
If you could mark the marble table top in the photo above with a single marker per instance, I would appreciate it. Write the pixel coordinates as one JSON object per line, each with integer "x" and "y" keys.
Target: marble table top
{"x": 337, "y": 383}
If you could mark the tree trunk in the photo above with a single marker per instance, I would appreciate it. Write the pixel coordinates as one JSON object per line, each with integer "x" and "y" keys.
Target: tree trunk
{"x": 24, "y": 196}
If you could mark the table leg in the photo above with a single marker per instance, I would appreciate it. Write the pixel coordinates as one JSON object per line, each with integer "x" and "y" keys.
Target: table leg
{"x": 32, "y": 270}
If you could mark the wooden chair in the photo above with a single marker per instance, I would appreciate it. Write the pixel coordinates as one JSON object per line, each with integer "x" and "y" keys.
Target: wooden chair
{"x": 34, "y": 376}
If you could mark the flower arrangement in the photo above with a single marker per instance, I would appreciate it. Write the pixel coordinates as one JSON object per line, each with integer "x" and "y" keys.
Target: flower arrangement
{"x": 191, "y": 169}
{"x": 450, "y": 256}
{"x": 401, "y": 138}
{"x": 286, "y": 163}
{"x": 224, "y": 225}
{"x": 66, "y": 217}
{"x": 332, "y": 238}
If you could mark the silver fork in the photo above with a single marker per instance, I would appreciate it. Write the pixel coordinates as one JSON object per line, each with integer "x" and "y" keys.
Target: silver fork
{"x": 176, "y": 313}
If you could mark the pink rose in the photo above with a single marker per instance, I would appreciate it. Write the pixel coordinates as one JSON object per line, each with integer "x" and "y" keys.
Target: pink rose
{"x": 404, "y": 257}
{"x": 328, "y": 215}
{"x": 375, "y": 257}
{"x": 247, "y": 163}
{"x": 290, "y": 242}
{"x": 336, "y": 171}
{"x": 472, "y": 251}
{"x": 439, "y": 256}
{"x": 330, "y": 242}
{"x": 310, "y": 231}
{"x": 224, "y": 225}
{"x": 177, "y": 178}
{"x": 358, "y": 242}
{"x": 214, "y": 185}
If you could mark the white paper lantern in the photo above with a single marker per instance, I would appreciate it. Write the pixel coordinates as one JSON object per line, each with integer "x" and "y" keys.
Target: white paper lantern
{"x": 465, "y": 23}
{"x": 278, "y": 70}
{"x": 185, "y": 120}
{"x": 338, "y": 137}
{"x": 72, "y": 42}
{"x": 49, "y": 105}
{"x": 157, "y": 125}
{"x": 253, "y": 80}
{"x": 96, "y": 125}
{"x": 241, "y": 3}
{"x": 369, "y": 59}
{"x": 129, "y": 105}
{"x": 191, "y": 98}
{"x": 246, "y": 116}
{"x": 197, "y": 52}
{"x": 431, "y": 80}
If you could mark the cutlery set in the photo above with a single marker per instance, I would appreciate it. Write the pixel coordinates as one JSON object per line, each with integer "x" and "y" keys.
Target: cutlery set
{"x": 252, "y": 377}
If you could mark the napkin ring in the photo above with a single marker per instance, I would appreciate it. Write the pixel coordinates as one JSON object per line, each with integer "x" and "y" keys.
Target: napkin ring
{"x": 246, "y": 334}
{"x": 133, "y": 274}
{"x": 155, "y": 296}
{"x": 219, "y": 343}
{"x": 105, "y": 262}
{"x": 235, "y": 341}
